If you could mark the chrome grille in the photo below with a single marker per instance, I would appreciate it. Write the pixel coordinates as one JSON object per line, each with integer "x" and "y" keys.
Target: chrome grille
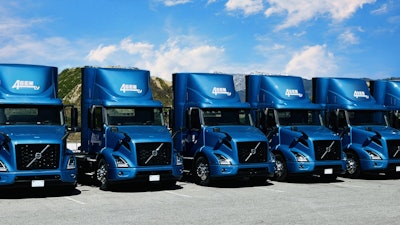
{"x": 150, "y": 154}
{"x": 37, "y": 156}
{"x": 252, "y": 152}
{"x": 327, "y": 150}
{"x": 393, "y": 149}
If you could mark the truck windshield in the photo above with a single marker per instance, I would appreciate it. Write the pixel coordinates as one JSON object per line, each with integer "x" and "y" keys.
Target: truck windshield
{"x": 299, "y": 117}
{"x": 214, "y": 117}
{"x": 367, "y": 117}
{"x": 16, "y": 114}
{"x": 134, "y": 116}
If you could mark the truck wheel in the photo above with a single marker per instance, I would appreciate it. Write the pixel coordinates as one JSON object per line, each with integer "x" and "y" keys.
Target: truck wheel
{"x": 352, "y": 166}
{"x": 281, "y": 168}
{"x": 202, "y": 172}
{"x": 102, "y": 175}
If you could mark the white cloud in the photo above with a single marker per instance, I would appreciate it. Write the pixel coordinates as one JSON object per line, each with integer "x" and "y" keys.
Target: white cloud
{"x": 175, "y": 2}
{"x": 298, "y": 11}
{"x": 142, "y": 48}
{"x": 382, "y": 10}
{"x": 312, "y": 61}
{"x": 348, "y": 38}
{"x": 172, "y": 58}
{"x": 101, "y": 53}
{"x": 248, "y": 7}
{"x": 177, "y": 54}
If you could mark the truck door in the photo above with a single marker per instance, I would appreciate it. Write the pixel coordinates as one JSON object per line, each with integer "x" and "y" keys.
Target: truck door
{"x": 339, "y": 124}
{"x": 269, "y": 127}
{"x": 96, "y": 125}
{"x": 194, "y": 129}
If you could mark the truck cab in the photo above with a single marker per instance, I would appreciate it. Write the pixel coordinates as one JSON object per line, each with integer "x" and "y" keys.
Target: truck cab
{"x": 214, "y": 130}
{"x": 387, "y": 93}
{"x": 300, "y": 142}
{"x": 33, "y": 130}
{"x": 124, "y": 136}
{"x": 370, "y": 144}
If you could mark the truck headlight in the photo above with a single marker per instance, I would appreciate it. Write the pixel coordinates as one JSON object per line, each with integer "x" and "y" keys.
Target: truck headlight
{"x": 373, "y": 155}
{"x": 71, "y": 163}
{"x": 223, "y": 160}
{"x": 300, "y": 157}
{"x": 179, "y": 160}
{"x": 121, "y": 163}
{"x": 3, "y": 167}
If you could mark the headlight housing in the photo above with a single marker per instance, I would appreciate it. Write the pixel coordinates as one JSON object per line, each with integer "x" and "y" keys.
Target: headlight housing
{"x": 120, "y": 162}
{"x": 3, "y": 167}
{"x": 179, "y": 159}
{"x": 300, "y": 157}
{"x": 223, "y": 160}
{"x": 71, "y": 164}
{"x": 373, "y": 155}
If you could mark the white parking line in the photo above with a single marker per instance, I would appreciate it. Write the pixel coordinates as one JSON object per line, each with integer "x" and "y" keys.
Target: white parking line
{"x": 74, "y": 200}
{"x": 270, "y": 189}
{"x": 181, "y": 195}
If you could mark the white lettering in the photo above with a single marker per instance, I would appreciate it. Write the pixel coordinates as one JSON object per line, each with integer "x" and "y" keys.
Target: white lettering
{"x": 19, "y": 84}
{"x": 360, "y": 94}
{"x": 220, "y": 90}
{"x": 130, "y": 88}
{"x": 293, "y": 92}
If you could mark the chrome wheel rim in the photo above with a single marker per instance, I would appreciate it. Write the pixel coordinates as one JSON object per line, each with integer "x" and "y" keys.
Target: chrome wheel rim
{"x": 202, "y": 171}
{"x": 102, "y": 173}
{"x": 351, "y": 166}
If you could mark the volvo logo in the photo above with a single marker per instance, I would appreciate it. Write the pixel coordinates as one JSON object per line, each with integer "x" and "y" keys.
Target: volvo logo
{"x": 328, "y": 149}
{"x": 154, "y": 153}
{"x": 253, "y": 151}
{"x": 38, "y": 155}
{"x": 398, "y": 150}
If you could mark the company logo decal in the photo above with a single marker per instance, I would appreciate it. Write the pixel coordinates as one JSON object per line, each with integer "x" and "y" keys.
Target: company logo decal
{"x": 220, "y": 91}
{"x": 130, "y": 88}
{"x": 25, "y": 84}
{"x": 360, "y": 94}
{"x": 293, "y": 92}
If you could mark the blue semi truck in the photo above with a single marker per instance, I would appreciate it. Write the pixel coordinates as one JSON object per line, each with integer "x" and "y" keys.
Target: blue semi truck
{"x": 387, "y": 92}
{"x": 302, "y": 145}
{"x": 33, "y": 131}
{"x": 370, "y": 144}
{"x": 124, "y": 137}
{"x": 214, "y": 131}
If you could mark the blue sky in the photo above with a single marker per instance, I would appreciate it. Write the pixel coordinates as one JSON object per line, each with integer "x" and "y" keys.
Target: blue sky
{"x": 307, "y": 38}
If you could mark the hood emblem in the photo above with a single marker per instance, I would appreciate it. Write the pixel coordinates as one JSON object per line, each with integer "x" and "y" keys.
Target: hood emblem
{"x": 328, "y": 149}
{"x": 398, "y": 150}
{"x": 253, "y": 151}
{"x": 154, "y": 153}
{"x": 38, "y": 155}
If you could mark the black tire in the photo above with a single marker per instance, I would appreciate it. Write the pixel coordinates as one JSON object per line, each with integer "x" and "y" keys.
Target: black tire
{"x": 281, "y": 172}
{"x": 201, "y": 172}
{"x": 353, "y": 169}
{"x": 102, "y": 175}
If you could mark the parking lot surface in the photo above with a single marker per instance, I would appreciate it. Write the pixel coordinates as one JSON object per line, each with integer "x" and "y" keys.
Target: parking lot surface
{"x": 371, "y": 200}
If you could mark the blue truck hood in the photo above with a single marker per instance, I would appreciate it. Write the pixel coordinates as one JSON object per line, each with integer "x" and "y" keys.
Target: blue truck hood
{"x": 241, "y": 133}
{"x": 34, "y": 132}
{"x": 146, "y": 133}
{"x": 313, "y": 132}
{"x": 385, "y": 132}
